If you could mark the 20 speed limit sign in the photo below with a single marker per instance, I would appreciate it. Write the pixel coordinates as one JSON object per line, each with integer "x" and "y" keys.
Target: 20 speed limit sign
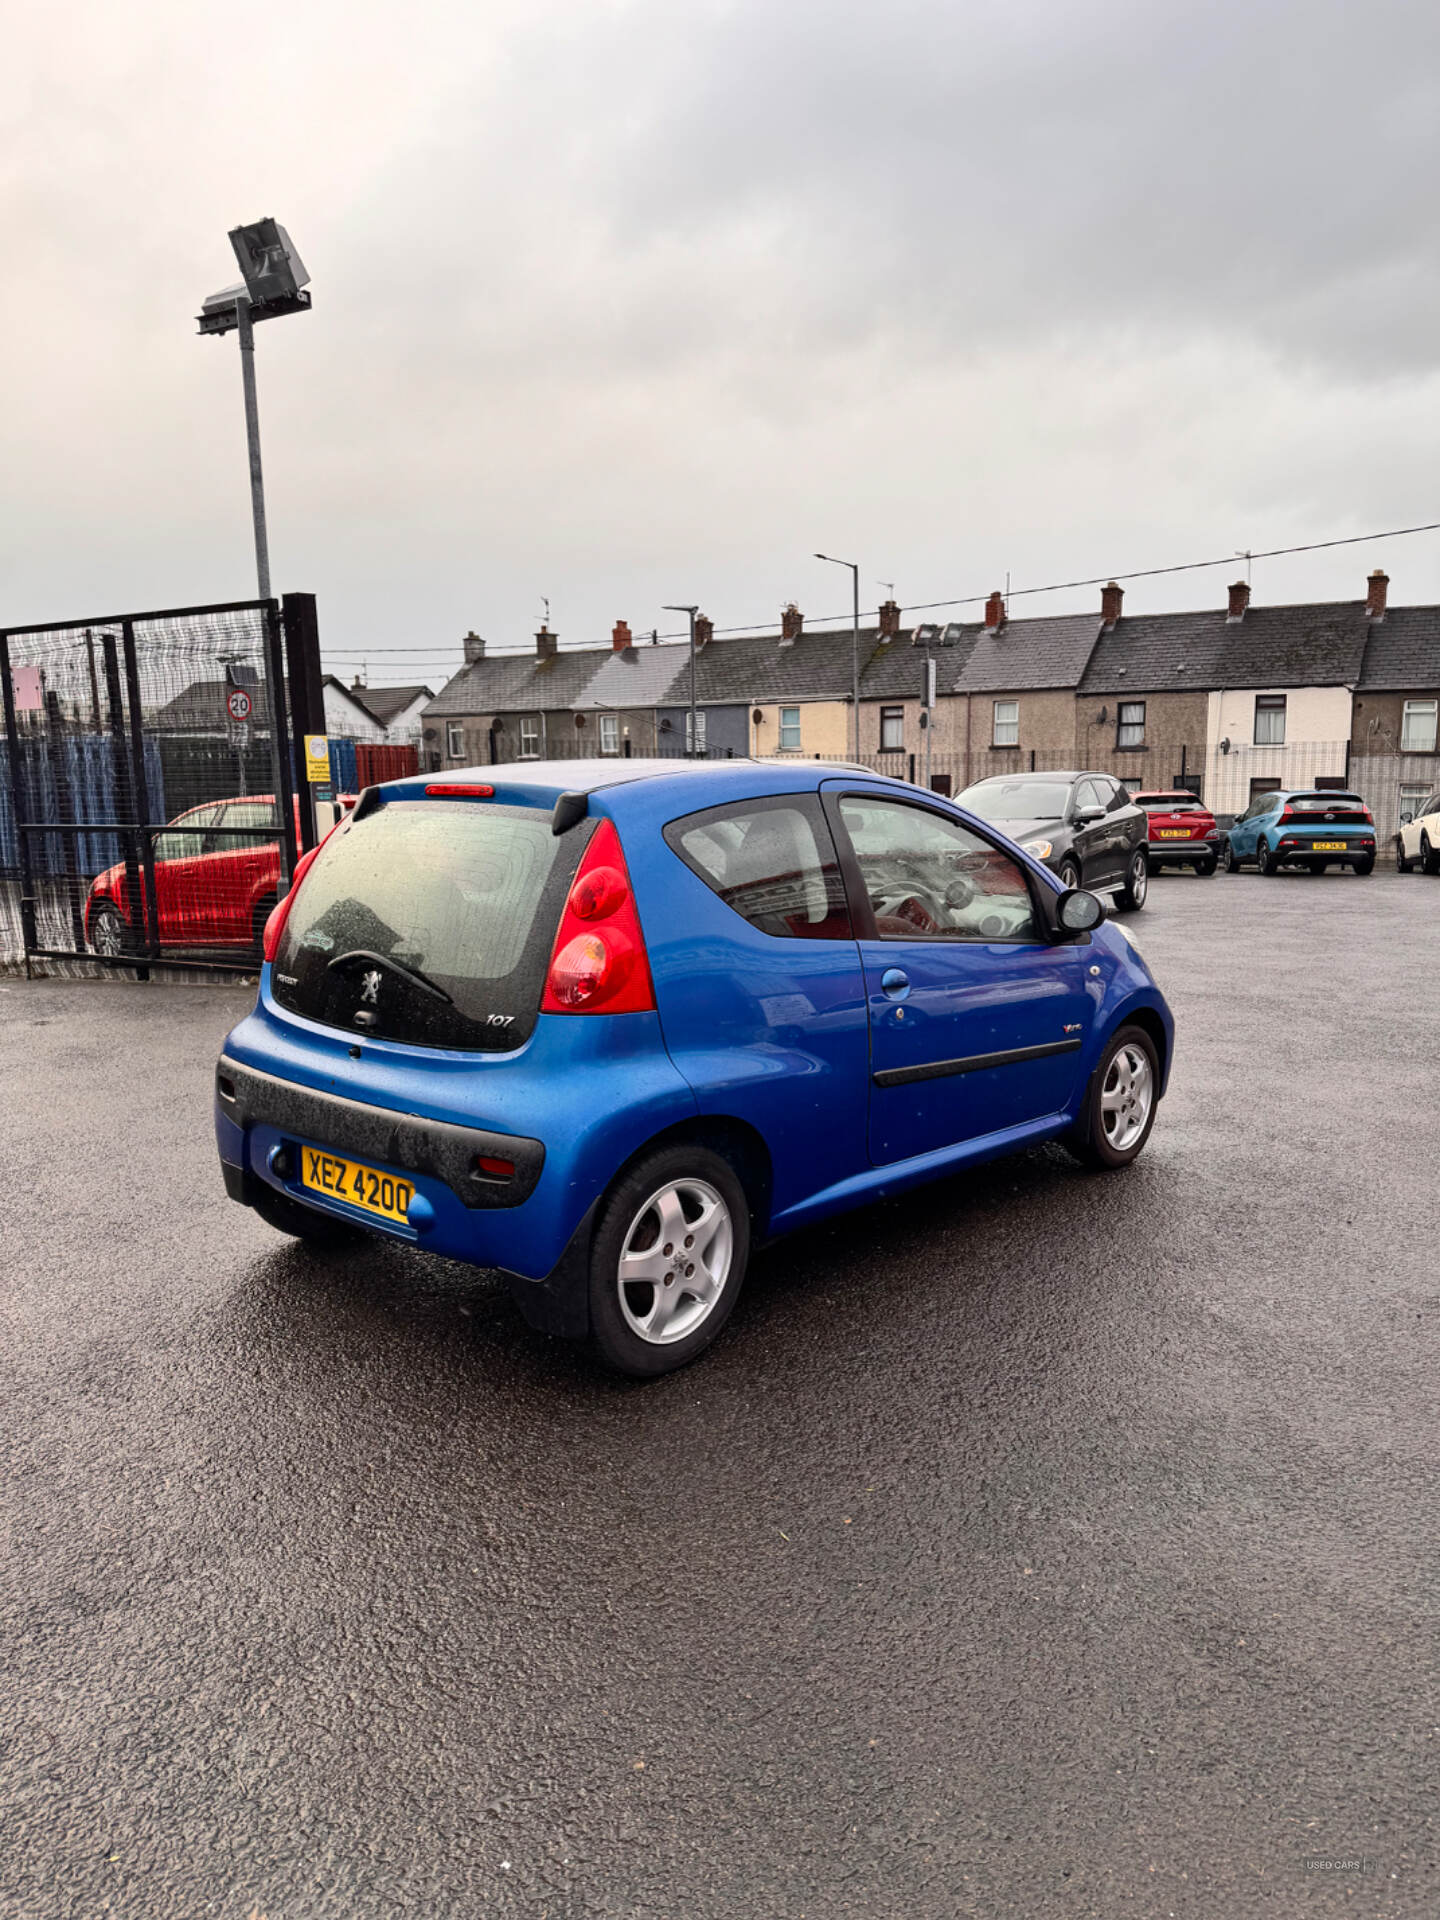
{"x": 237, "y": 704}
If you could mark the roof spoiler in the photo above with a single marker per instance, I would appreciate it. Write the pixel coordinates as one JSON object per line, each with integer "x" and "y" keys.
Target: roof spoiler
{"x": 570, "y": 810}
{"x": 367, "y": 803}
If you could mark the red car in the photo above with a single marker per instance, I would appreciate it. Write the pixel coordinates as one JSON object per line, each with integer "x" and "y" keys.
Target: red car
{"x": 210, "y": 892}
{"x": 1181, "y": 832}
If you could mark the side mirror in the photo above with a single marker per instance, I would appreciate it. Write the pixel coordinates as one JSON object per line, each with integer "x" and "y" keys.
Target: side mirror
{"x": 1084, "y": 815}
{"x": 1078, "y": 911}
{"x": 1406, "y": 818}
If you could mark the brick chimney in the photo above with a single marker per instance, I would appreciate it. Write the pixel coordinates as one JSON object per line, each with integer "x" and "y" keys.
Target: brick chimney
{"x": 1375, "y": 597}
{"x": 1239, "y": 599}
{"x": 546, "y": 643}
{"x": 704, "y": 630}
{"x": 792, "y": 623}
{"x": 620, "y": 636}
{"x": 1112, "y": 599}
{"x": 474, "y": 648}
{"x": 995, "y": 610}
{"x": 889, "y": 621}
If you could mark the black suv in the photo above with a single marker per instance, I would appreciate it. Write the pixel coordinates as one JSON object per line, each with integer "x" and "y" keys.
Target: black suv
{"x": 1084, "y": 826}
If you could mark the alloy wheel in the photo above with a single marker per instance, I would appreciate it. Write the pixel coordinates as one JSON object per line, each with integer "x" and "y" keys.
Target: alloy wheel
{"x": 675, "y": 1261}
{"x": 1127, "y": 1097}
{"x": 1139, "y": 879}
{"x": 105, "y": 933}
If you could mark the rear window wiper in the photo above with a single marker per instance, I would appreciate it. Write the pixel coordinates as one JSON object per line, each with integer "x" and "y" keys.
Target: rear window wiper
{"x": 363, "y": 956}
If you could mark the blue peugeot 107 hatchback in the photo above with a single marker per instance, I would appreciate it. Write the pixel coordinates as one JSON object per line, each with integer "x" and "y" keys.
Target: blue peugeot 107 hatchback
{"x": 605, "y": 1026}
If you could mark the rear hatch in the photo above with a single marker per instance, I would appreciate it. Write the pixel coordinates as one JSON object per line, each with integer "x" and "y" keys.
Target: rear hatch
{"x": 1175, "y": 817}
{"x": 429, "y": 923}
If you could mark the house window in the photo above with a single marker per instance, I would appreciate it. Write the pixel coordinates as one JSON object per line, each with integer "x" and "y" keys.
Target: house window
{"x": 1007, "y": 723}
{"x": 609, "y": 733}
{"x": 694, "y": 731}
{"x": 529, "y": 736}
{"x": 1269, "y": 719}
{"x": 892, "y": 729}
{"x": 1130, "y": 726}
{"x": 1412, "y": 799}
{"x": 789, "y": 729}
{"x": 455, "y": 739}
{"x": 1259, "y": 786}
{"x": 1417, "y": 728}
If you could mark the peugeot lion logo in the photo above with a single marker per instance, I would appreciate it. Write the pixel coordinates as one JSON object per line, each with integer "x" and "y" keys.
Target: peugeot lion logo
{"x": 370, "y": 988}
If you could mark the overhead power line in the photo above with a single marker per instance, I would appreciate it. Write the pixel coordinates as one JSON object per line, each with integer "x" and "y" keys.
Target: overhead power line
{"x": 360, "y": 655}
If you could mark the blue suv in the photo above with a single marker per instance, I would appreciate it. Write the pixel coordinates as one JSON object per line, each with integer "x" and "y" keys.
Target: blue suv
{"x": 607, "y": 1026}
{"x": 1308, "y": 827}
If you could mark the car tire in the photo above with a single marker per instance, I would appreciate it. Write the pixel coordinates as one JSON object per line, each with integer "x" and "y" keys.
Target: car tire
{"x": 1069, "y": 874}
{"x": 1232, "y": 859}
{"x": 1204, "y": 868}
{"x": 109, "y": 931}
{"x": 1136, "y": 883}
{"x": 677, "y": 1186}
{"x": 1429, "y": 863}
{"x": 1365, "y": 864}
{"x": 1402, "y": 864}
{"x": 287, "y": 1216}
{"x": 1108, "y": 1132}
{"x": 1266, "y": 860}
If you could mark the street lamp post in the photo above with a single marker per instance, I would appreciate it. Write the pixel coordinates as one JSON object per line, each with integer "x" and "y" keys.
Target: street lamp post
{"x": 274, "y": 280}
{"x": 854, "y": 639}
{"x": 694, "y": 740}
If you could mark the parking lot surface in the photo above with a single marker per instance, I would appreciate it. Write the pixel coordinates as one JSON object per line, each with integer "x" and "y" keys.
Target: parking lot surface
{"x": 1043, "y": 1543}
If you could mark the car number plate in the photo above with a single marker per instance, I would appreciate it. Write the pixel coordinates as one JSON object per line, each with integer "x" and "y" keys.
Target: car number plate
{"x": 1174, "y": 833}
{"x": 383, "y": 1194}
{"x": 1327, "y": 846}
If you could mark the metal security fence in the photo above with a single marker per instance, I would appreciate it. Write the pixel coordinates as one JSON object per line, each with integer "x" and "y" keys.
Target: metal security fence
{"x": 148, "y": 813}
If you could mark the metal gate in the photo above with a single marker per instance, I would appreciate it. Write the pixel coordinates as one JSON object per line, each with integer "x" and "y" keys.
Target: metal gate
{"x": 148, "y": 814}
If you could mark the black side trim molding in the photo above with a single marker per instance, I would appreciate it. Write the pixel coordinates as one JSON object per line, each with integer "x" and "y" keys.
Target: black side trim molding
{"x": 376, "y": 1133}
{"x": 972, "y": 1063}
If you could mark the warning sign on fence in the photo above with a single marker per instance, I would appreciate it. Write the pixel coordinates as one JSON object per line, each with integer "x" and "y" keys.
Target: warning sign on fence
{"x": 317, "y": 758}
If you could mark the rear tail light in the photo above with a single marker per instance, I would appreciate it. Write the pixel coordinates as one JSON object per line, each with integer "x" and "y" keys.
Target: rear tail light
{"x": 1288, "y": 814}
{"x": 598, "y": 963}
{"x": 1367, "y": 816}
{"x": 448, "y": 790}
{"x": 280, "y": 912}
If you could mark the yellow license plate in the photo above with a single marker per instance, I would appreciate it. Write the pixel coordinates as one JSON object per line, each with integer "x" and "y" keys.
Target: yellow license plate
{"x": 1327, "y": 846}
{"x": 1174, "y": 833}
{"x": 384, "y": 1194}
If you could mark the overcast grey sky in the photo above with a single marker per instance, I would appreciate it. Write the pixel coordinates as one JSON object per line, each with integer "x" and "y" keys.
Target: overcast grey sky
{"x": 626, "y": 302}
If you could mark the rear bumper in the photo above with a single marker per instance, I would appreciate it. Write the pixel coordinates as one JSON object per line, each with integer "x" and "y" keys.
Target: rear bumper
{"x": 1181, "y": 853}
{"x": 1356, "y": 849}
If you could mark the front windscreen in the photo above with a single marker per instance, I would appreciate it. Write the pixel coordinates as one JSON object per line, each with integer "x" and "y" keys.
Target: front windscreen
{"x": 429, "y": 922}
{"x": 1018, "y": 799}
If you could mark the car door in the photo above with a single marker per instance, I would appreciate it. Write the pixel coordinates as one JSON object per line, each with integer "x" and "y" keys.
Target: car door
{"x": 976, "y": 1021}
{"x": 1091, "y": 838}
{"x": 1427, "y": 821}
{"x": 181, "y": 896}
{"x": 243, "y": 869}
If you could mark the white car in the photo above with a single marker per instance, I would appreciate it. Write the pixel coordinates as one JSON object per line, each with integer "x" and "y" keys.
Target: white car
{"x": 1418, "y": 841}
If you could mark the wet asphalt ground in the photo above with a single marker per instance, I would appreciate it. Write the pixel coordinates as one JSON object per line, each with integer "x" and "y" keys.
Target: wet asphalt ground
{"x": 1049, "y": 1543}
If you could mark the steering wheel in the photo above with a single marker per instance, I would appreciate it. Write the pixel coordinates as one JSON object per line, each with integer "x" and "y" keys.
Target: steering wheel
{"x": 914, "y": 910}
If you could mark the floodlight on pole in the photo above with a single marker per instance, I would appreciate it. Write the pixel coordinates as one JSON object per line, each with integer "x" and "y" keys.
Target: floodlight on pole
{"x": 854, "y": 637}
{"x": 694, "y": 732}
{"x": 273, "y": 284}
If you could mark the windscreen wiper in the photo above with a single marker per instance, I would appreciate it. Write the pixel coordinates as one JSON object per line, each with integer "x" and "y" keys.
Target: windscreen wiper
{"x": 362, "y": 956}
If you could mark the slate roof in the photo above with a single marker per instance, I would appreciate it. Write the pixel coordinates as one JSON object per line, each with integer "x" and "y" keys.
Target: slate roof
{"x": 385, "y": 703}
{"x": 202, "y": 703}
{"x": 639, "y": 676}
{"x": 1403, "y": 651}
{"x": 1296, "y": 646}
{"x": 1030, "y": 654}
{"x": 520, "y": 683}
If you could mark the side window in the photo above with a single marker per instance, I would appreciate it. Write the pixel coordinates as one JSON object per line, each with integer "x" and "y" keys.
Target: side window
{"x": 1087, "y": 794}
{"x": 772, "y": 861}
{"x": 930, "y": 877}
{"x": 183, "y": 841}
{"x": 1119, "y": 795}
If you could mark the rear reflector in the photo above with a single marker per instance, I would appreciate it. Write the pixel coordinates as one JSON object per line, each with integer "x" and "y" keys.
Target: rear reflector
{"x": 453, "y": 790}
{"x": 495, "y": 1169}
{"x": 598, "y": 963}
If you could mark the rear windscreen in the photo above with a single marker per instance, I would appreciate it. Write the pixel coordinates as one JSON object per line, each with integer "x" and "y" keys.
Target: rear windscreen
{"x": 1324, "y": 802}
{"x": 1169, "y": 803}
{"x": 429, "y": 922}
